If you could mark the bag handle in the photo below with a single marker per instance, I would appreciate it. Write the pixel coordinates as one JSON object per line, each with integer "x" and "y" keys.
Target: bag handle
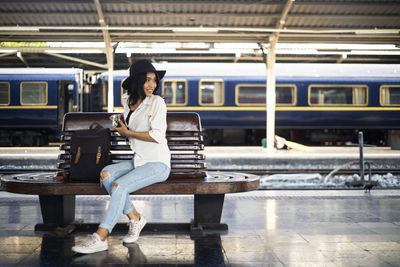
{"x": 78, "y": 155}
{"x": 95, "y": 125}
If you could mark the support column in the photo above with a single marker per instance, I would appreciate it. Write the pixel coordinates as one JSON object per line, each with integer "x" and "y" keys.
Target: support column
{"x": 270, "y": 95}
{"x": 109, "y": 56}
{"x": 110, "y": 102}
{"x": 271, "y": 101}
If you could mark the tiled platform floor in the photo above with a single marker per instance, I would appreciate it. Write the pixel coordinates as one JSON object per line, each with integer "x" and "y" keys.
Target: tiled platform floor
{"x": 266, "y": 228}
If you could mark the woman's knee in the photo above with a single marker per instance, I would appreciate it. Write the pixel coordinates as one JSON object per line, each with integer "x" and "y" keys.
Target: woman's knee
{"x": 117, "y": 189}
{"x": 105, "y": 179}
{"x": 104, "y": 175}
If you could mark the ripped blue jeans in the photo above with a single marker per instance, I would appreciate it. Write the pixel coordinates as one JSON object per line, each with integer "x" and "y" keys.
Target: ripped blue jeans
{"x": 123, "y": 179}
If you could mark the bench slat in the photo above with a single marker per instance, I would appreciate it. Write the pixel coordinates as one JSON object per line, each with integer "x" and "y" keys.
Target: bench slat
{"x": 174, "y": 166}
{"x": 171, "y": 138}
{"x": 183, "y": 157}
{"x": 174, "y": 157}
{"x": 176, "y": 138}
{"x": 189, "y": 166}
{"x": 172, "y": 147}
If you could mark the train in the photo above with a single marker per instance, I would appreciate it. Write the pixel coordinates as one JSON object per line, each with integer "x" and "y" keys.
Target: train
{"x": 33, "y": 102}
{"x": 316, "y": 104}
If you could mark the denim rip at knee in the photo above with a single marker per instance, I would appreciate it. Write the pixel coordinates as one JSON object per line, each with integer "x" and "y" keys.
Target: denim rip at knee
{"x": 114, "y": 172}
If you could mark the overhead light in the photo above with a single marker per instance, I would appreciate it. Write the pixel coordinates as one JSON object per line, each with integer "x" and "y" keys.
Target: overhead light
{"x": 333, "y": 50}
{"x": 198, "y": 29}
{"x": 20, "y": 28}
{"x": 192, "y": 49}
{"x": 378, "y": 31}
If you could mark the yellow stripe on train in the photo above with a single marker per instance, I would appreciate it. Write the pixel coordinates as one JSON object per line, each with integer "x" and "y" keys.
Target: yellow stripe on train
{"x": 341, "y": 108}
{"x": 29, "y": 107}
{"x": 283, "y": 108}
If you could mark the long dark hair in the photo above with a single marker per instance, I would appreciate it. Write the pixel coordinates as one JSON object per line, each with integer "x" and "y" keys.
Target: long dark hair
{"x": 136, "y": 88}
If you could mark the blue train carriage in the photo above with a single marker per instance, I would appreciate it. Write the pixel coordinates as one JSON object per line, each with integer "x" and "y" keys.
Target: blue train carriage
{"x": 33, "y": 103}
{"x": 315, "y": 103}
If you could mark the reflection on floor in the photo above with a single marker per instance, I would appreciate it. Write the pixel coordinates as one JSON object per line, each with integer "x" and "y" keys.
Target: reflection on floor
{"x": 266, "y": 228}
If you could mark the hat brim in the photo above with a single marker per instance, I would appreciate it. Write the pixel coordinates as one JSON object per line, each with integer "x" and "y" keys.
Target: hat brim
{"x": 160, "y": 74}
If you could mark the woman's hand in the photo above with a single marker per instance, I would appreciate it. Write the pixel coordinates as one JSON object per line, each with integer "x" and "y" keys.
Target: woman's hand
{"x": 122, "y": 130}
{"x": 125, "y": 132}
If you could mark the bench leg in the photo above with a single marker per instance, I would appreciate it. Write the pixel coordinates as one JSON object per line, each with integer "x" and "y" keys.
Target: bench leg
{"x": 207, "y": 212}
{"x": 57, "y": 211}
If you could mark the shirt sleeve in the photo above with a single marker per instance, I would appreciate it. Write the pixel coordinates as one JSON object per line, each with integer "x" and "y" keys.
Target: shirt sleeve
{"x": 158, "y": 120}
{"x": 124, "y": 103}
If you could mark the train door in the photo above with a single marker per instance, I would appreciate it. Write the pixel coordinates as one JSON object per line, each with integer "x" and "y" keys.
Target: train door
{"x": 65, "y": 99}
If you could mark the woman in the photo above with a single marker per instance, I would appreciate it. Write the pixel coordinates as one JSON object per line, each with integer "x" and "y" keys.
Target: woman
{"x": 145, "y": 117}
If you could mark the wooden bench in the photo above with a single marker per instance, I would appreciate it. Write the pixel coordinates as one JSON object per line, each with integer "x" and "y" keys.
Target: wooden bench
{"x": 188, "y": 176}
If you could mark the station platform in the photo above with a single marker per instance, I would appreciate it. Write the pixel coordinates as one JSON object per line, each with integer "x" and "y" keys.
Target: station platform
{"x": 232, "y": 158}
{"x": 306, "y": 157}
{"x": 266, "y": 228}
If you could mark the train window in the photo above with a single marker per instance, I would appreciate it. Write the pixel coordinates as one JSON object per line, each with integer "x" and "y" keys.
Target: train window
{"x": 250, "y": 94}
{"x": 33, "y": 93}
{"x": 175, "y": 92}
{"x": 254, "y": 94}
{"x": 211, "y": 92}
{"x": 285, "y": 94}
{"x": 4, "y": 93}
{"x": 337, "y": 95}
{"x": 390, "y": 95}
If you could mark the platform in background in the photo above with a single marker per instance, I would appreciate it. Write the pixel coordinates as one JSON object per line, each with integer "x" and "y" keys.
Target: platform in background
{"x": 305, "y": 168}
{"x": 239, "y": 158}
{"x": 266, "y": 228}
{"x": 246, "y": 158}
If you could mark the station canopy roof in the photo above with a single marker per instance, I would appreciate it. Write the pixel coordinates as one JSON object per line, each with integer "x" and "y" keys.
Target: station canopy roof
{"x": 198, "y": 31}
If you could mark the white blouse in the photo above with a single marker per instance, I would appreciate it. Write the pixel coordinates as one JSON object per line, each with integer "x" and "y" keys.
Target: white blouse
{"x": 150, "y": 116}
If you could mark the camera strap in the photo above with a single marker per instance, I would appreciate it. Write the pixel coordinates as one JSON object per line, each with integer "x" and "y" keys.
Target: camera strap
{"x": 127, "y": 118}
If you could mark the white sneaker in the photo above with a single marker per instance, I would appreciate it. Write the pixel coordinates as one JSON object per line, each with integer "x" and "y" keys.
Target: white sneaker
{"x": 134, "y": 229}
{"x": 91, "y": 245}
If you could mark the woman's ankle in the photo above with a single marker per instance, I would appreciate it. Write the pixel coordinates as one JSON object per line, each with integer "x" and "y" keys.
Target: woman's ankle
{"x": 102, "y": 233}
{"x": 133, "y": 215}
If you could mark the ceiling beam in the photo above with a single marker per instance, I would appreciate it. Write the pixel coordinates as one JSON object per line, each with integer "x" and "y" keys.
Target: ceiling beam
{"x": 217, "y": 38}
{"x": 109, "y": 55}
{"x": 102, "y": 66}
{"x": 106, "y": 35}
{"x": 194, "y": 29}
{"x": 19, "y": 55}
{"x": 197, "y": 17}
{"x": 8, "y": 54}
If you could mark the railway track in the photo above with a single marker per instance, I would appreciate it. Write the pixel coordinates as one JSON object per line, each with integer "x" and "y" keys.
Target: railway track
{"x": 252, "y": 171}
{"x": 320, "y": 171}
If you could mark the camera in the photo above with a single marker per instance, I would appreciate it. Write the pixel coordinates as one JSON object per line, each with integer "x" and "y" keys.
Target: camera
{"x": 115, "y": 122}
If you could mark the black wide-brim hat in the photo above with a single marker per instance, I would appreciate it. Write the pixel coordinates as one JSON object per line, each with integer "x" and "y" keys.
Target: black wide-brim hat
{"x": 141, "y": 66}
